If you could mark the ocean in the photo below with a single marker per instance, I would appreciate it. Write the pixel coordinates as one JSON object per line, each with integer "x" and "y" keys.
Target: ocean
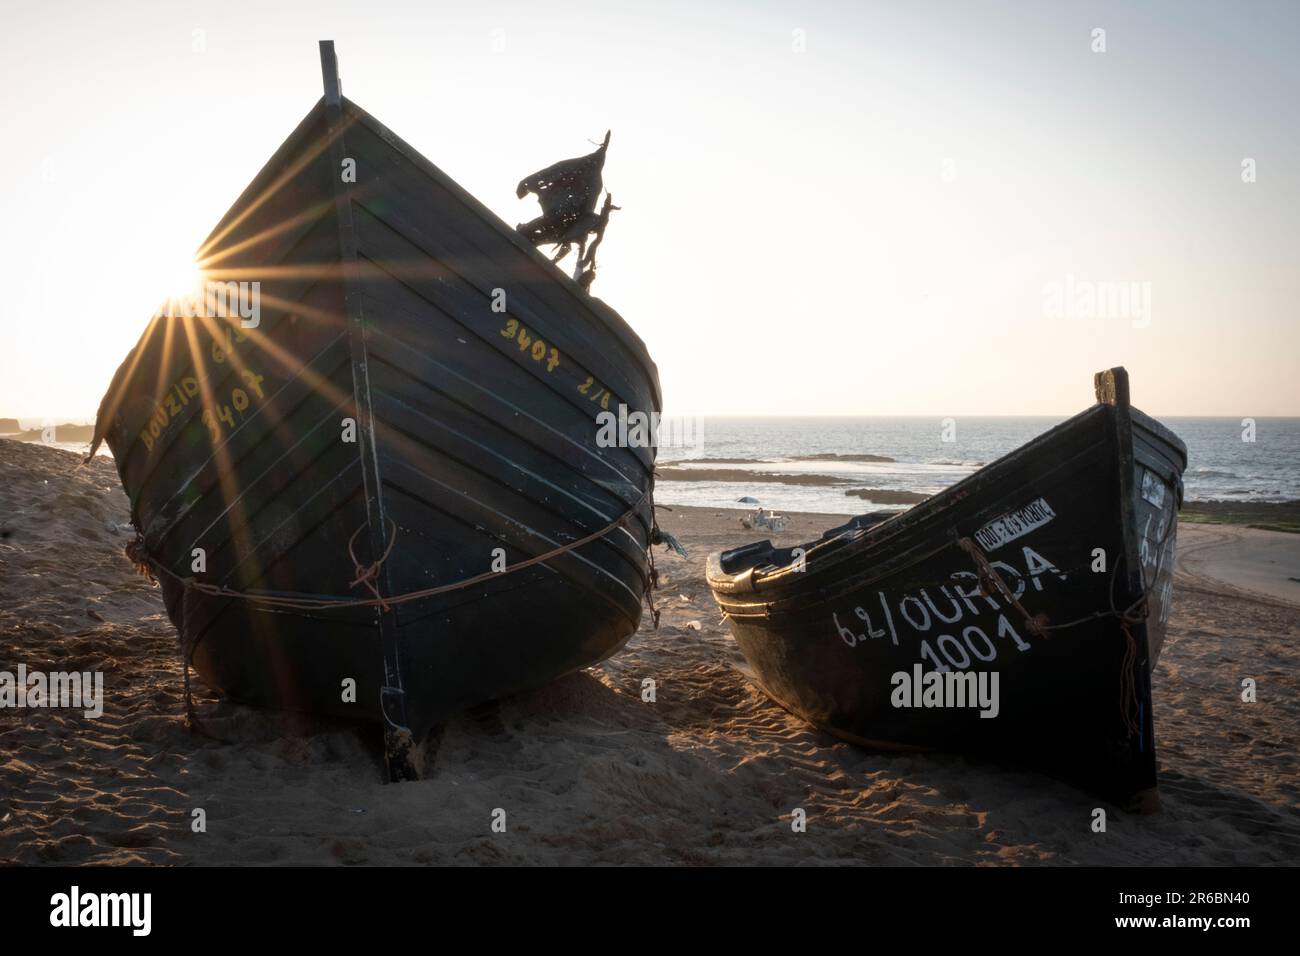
{"x": 1222, "y": 466}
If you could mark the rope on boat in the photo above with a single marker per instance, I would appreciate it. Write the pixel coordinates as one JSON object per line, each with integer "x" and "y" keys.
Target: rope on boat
{"x": 1131, "y": 616}
{"x": 991, "y": 581}
{"x": 1128, "y": 691}
{"x": 659, "y": 536}
{"x": 367, "y": 575}
{"x": 652, "y": 576}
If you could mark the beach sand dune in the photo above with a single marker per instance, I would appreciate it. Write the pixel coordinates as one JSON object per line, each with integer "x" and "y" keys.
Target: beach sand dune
{"x": 587, "y": 770}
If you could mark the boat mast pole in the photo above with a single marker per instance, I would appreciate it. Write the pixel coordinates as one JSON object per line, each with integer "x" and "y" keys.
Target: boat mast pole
{"x": 329, "y": 68}
{"x": 399, "y": 744}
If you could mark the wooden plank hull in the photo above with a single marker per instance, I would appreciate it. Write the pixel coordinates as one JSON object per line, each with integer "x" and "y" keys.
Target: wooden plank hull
{"x": 421, "y": 391}
{"x": 1079, "y": 526}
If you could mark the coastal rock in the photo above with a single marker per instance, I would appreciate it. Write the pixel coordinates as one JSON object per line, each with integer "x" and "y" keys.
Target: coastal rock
{"x": 740, "y": 475}
{"x": 882, "y": 496}
{"x": 59, "y": 433}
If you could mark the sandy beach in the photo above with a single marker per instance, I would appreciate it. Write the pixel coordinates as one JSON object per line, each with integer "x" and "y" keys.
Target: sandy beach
{"x": 585, "y": 770}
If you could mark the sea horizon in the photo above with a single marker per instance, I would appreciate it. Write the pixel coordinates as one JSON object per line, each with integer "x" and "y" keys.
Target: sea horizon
{"x": 805, "y": 463}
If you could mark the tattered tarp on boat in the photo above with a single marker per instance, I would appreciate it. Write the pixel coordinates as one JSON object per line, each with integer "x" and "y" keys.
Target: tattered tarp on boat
{"x": 568, "y": 192}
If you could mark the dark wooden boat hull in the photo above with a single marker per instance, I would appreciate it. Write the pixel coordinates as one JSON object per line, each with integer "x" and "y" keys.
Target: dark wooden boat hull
{"x": 887, "y": 593}
{"x": 471, "y": 371}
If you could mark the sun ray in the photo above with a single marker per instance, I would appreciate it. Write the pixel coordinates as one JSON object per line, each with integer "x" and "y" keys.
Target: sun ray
{"x": 111, "y": 405}
{"x": 230, "y": 491}
{"x": 314, "y": 212}
{"x": 305, "y": 159}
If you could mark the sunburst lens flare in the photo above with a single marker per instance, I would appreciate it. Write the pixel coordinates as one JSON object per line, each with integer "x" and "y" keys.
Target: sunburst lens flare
{"x": 178, "y": 284}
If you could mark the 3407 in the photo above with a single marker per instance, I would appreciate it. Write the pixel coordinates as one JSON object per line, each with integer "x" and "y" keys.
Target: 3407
{"x": 237, "y": 402}
{"x": 531, "y": 345}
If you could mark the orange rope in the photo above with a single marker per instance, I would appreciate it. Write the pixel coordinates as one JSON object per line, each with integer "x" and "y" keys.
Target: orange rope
{"x": 368, "y": 573}
{"x": 991, "y": 581}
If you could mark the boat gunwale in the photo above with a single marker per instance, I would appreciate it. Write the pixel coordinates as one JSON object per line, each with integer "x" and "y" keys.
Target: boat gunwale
{"x": 768, "y": 591}
{"x": 904, "y": 520}
{"x": 269, "y": 170}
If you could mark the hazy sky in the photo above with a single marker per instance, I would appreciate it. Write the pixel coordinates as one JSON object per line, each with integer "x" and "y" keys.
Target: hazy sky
{"x": 900, "y": 210}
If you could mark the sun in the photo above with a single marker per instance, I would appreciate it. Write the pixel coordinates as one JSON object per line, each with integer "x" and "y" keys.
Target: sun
{"x": 177, "y": 279}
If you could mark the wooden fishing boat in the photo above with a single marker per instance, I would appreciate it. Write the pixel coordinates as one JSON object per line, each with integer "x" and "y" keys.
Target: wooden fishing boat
{"x": 1049, "y": 568}
{"x": 383, "y": 495}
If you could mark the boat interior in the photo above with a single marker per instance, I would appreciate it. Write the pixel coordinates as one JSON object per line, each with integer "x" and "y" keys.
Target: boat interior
{"x": 762, "y": 555}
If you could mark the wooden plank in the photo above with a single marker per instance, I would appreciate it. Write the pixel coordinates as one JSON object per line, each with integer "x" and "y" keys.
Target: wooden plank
{"x": 454, "y": 467}
{"x": 329, "y": 68}
{"x": 424, "y": 272}
{"x": 490, "y": 369}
